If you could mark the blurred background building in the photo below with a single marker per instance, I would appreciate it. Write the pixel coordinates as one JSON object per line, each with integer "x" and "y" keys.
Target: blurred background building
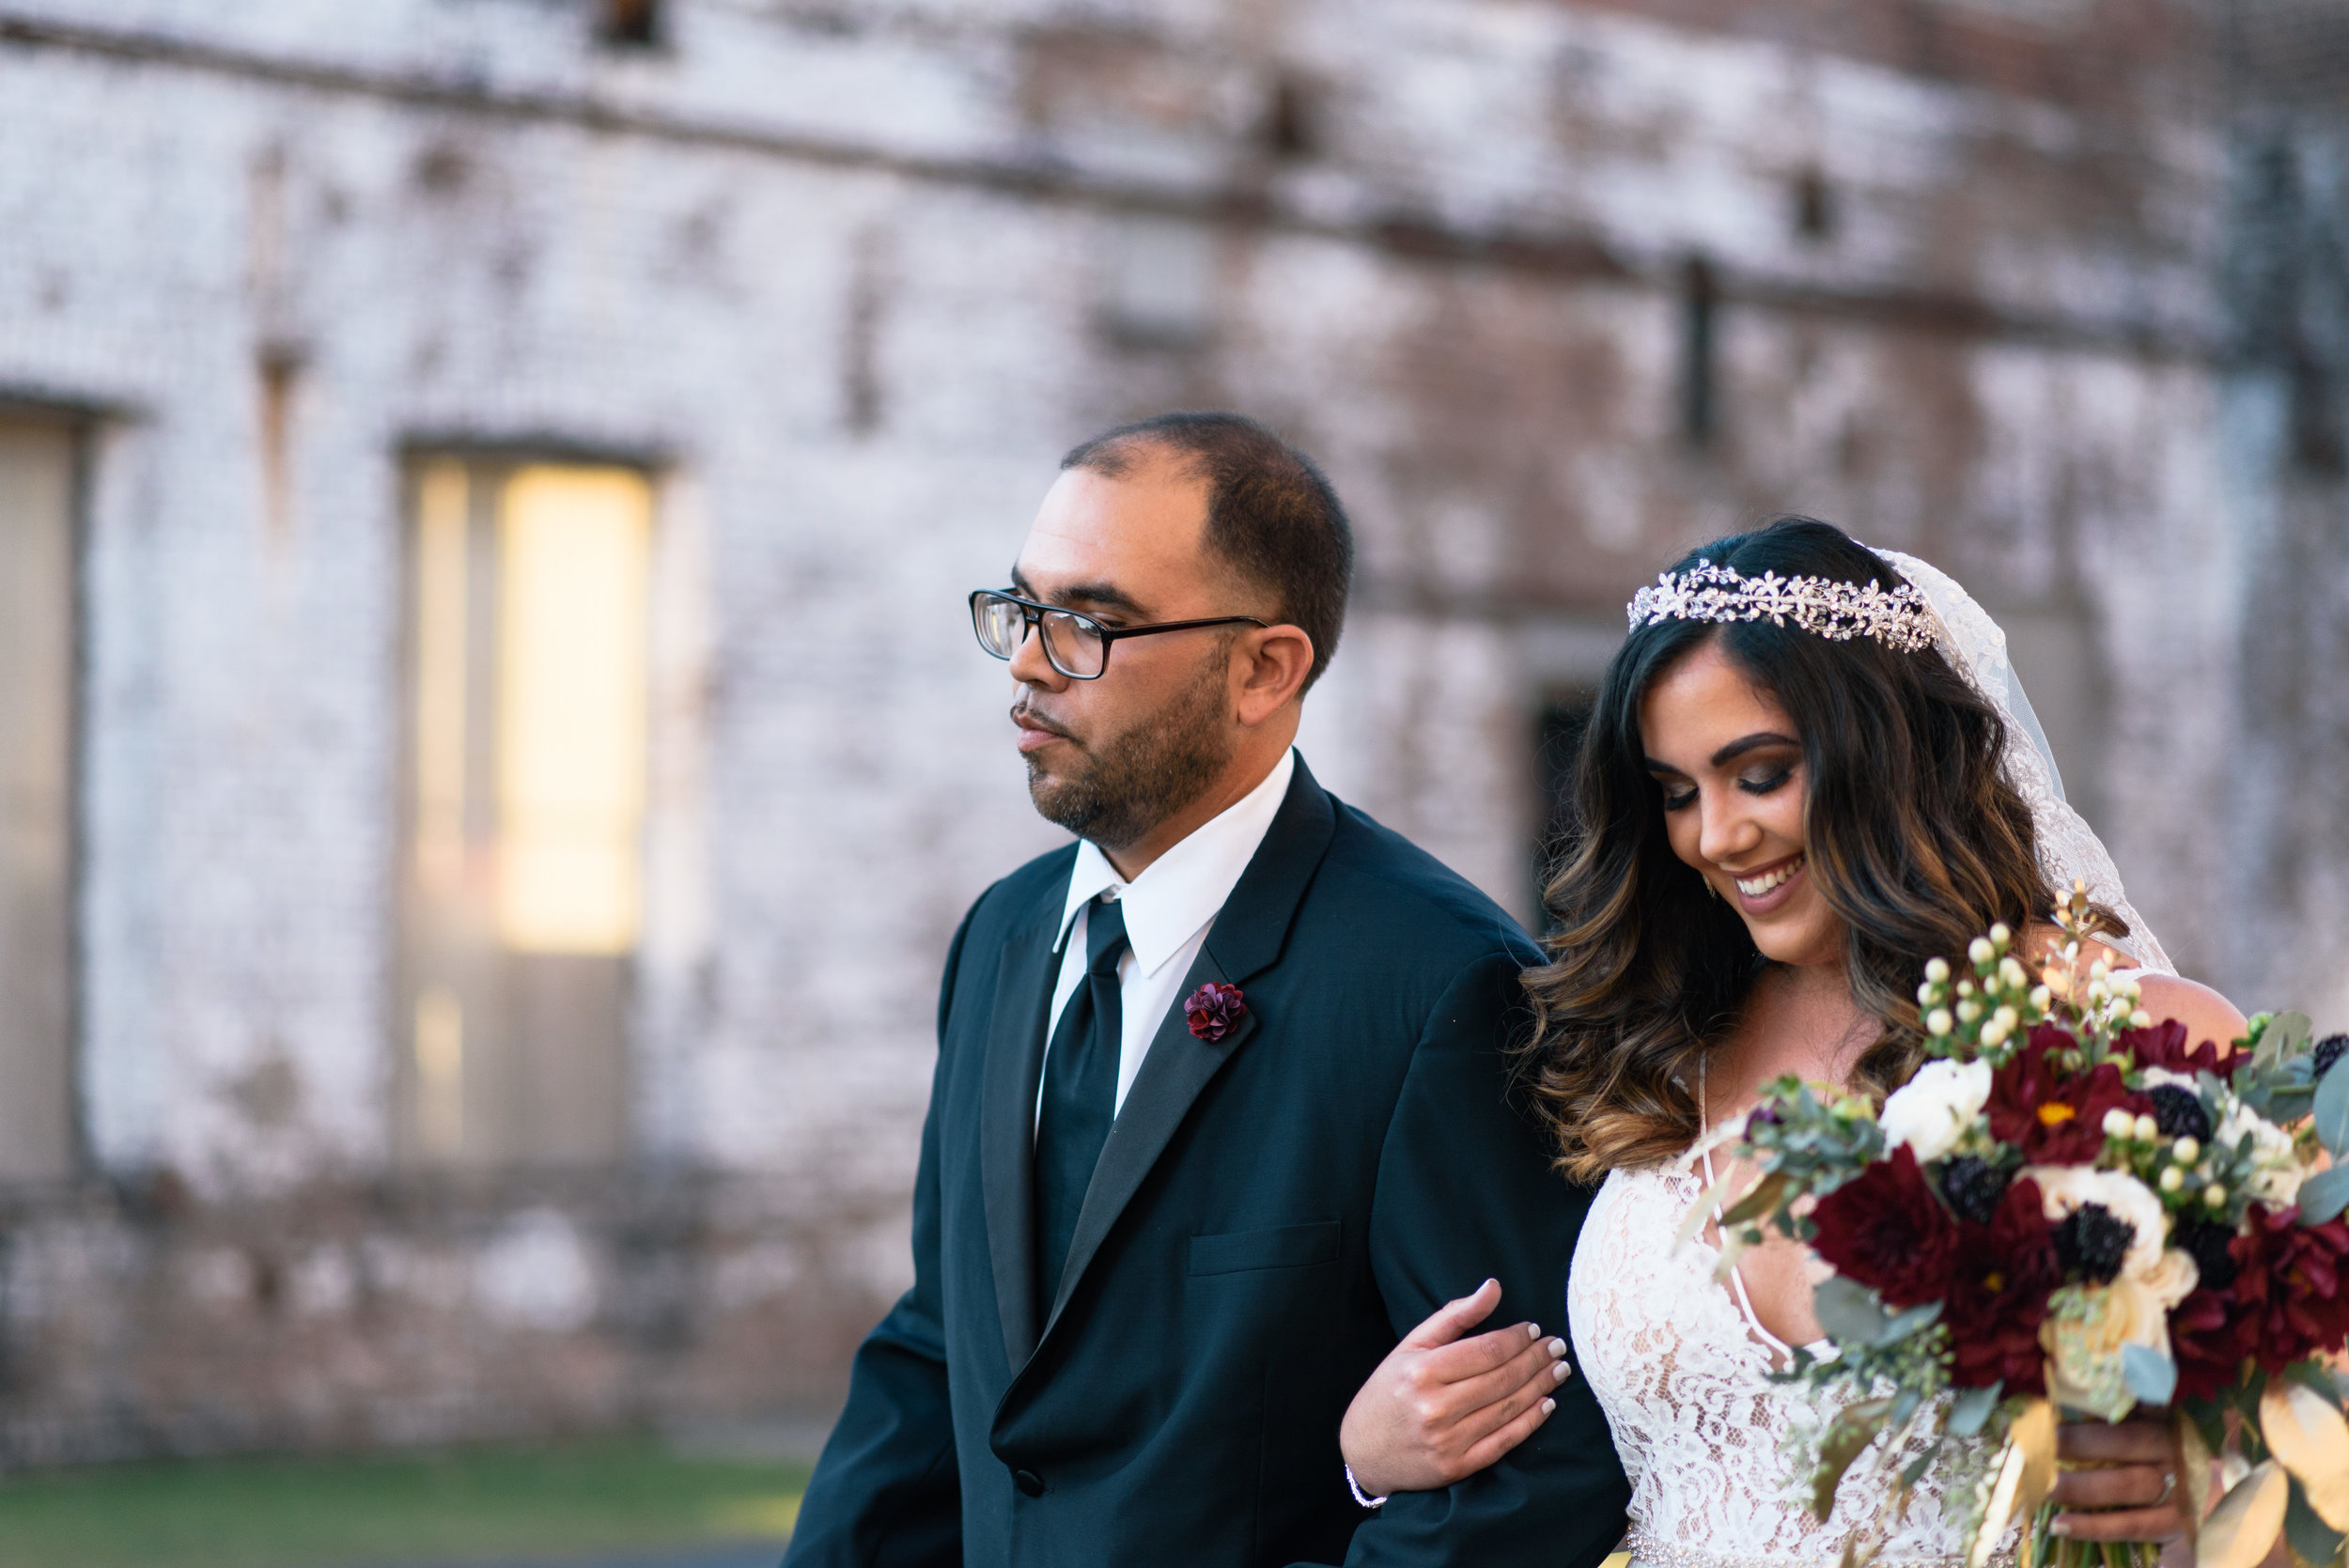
{"x": 490, "y": 746}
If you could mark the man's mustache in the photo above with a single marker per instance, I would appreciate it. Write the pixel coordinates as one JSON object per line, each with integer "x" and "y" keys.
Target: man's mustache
{"x": 1028, "y": 717}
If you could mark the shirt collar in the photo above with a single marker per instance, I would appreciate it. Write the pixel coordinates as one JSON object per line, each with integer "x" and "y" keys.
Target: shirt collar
{"x": 1177, "y": 893}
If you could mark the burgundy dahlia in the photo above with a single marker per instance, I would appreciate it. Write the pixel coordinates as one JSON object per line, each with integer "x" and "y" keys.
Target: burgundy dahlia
{"x": 2004, "y": 1272}
{"x": 2293, "y": 1274}
{"x": 2164, "y": 1046}
{"x": 2290, "y": 1299}
{"x": 2055, "y": 1118}
{"x": 2207, "y": 1338}
{"x": 1886, "y": 1229}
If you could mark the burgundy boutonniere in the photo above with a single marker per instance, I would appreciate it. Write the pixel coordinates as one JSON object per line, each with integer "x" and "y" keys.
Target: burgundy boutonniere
{"x": 1214, "y": 1010}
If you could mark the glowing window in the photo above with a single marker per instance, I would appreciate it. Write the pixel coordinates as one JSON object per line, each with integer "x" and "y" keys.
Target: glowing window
{"x": 38, "y": 555}
{"x": 528, "y": 688}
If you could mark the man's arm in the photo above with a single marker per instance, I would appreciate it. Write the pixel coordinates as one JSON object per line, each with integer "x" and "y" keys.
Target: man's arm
{"x": 1466, "y": 1192}
{"x": 887, "y": 1492}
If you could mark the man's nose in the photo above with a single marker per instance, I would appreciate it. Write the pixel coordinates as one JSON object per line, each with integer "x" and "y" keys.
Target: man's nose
{"x": 1029, "y": 666}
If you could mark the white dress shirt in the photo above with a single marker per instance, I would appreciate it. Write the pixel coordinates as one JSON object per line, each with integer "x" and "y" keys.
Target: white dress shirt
{"x": 1168, "y": 910}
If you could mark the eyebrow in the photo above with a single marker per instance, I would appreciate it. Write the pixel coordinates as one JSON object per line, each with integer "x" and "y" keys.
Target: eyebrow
{"x": 1739, "y": 748}
{"x": 1106, "y": 594}
{"x": 1731, "y": 751}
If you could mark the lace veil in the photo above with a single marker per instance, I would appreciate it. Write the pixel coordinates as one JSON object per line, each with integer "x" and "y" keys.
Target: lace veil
{"x": 2069, "y": 849}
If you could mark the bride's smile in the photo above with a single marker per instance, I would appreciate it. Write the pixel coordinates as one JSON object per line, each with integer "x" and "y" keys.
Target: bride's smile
{"x": 1756, "y": 890}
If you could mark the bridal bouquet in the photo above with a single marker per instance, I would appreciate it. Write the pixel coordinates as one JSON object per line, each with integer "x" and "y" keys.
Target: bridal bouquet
{"x": 2070, "y": 1209}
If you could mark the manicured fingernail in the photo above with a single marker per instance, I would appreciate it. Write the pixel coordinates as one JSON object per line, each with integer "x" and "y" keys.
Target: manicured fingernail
{"x": 1560, "y": 1371}
{"x": 1532, "y": 1331}
{"x": 1557, "y": 1347}
{"x": 1488, "y": 1282}
{"x": 2061, "y": 1526}
{"x": 1548, "y": 1406}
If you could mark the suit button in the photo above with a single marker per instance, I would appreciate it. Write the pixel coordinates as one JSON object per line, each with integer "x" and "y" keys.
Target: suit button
{"x": 1030, "y": 1484}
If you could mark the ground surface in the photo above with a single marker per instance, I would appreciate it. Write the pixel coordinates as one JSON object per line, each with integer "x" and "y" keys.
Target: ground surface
{"x": 639, "y": 1503}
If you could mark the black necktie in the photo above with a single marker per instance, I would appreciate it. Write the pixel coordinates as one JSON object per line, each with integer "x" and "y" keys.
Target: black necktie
{"x": 1079, "y": 1099}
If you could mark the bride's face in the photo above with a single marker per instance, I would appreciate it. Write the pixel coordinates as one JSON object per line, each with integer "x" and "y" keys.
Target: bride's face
{"x": 1730, "y": 766}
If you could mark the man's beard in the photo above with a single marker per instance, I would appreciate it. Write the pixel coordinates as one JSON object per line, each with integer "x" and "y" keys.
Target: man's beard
{"x": 1131, "y": 783}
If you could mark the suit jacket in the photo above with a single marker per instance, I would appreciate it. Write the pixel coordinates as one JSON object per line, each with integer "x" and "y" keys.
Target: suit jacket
{"x": 1270, "y": 1214}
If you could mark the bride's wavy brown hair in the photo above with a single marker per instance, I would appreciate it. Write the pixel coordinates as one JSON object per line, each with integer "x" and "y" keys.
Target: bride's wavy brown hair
{"x": 1914, "y": 837}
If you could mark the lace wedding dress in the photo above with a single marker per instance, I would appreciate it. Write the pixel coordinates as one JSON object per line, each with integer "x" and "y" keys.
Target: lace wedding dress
{"x": 1680, "y": 1366}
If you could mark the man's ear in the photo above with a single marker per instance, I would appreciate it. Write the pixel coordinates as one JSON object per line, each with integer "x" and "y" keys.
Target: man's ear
{"x": 1268, "y": 669}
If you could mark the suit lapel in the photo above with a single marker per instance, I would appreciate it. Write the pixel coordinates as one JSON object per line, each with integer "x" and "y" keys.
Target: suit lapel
{"x": 1245, "y": 939}
{"x": 1015, "y": 1066}
{"x": 1178, "y": 1068}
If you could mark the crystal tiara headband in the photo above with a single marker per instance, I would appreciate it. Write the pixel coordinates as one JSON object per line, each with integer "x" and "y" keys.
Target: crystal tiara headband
{"x": 1897, "y": 617}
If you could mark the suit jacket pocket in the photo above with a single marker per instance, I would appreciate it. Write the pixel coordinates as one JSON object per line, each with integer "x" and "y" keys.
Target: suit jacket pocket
{"x": 1282, "y": 1246}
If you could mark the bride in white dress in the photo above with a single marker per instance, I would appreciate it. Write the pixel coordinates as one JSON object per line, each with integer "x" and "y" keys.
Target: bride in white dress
{"x": 1794, "y": 791}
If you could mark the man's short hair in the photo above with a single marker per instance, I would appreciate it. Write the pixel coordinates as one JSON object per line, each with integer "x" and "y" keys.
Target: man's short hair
{"x": 1271, "y": 513}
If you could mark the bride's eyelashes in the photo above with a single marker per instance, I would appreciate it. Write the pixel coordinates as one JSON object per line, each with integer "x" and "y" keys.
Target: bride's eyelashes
{"x": 1677, "y": 796}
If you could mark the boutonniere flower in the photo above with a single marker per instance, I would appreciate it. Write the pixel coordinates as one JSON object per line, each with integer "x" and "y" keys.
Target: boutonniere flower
{"x": 1214, "y": 1010}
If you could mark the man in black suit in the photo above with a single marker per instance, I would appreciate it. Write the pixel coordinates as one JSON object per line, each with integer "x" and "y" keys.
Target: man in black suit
{"x": 1222, "y": 1105}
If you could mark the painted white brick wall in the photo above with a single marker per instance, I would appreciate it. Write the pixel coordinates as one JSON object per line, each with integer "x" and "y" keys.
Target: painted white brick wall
{"x": 462, "y": 221}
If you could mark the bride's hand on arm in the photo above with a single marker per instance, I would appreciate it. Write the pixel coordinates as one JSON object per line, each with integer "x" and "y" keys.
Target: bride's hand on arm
{"x": 1441, "y": 1407}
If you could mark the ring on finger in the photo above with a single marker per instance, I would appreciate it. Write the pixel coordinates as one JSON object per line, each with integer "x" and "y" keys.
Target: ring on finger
{"x": 2169, "y": 1485}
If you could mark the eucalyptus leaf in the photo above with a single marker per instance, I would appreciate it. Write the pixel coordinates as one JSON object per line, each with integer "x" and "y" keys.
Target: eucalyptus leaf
{"x": 1850, "y": 1312}
{"x": 2152, "y": 1376}
{"x": 2332, "y": 1112}
{"x": 1915, "y": 1320}
{"x": 2290, "y": 1035}
{"x": 1914, "y": 1471}
{"x": 2242, "y": 1527}
{"x": 1971, "y": 1408}
{"x": 1854, "y": 1428}
{"x": 2324, "y": 1194}
{"x": 2195, "y": 1465}
{"x": 2307, "y": 1434}
{"x": 2021, "y": 1478}
{"x": 2311, "y": 1537}
{"x": 1766, "y": 1196}
{"x": 2285, "y": 1036}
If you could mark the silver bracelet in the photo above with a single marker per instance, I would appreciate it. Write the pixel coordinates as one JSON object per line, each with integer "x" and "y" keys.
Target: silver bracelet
{"x": 1356, "y": 1487}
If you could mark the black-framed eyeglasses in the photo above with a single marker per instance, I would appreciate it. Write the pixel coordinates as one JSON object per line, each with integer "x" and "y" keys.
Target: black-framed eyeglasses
{"x": 1076, "y": 646}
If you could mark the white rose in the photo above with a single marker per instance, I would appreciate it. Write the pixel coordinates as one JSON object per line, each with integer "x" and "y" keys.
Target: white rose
{"x": 2065, "y": 1187}
{"x": 1932, "y": 1110}
{"x": 2275, "y": 1171}
{"x": 2083, "y": 1334}
{"x": 2173, "y": 1279}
